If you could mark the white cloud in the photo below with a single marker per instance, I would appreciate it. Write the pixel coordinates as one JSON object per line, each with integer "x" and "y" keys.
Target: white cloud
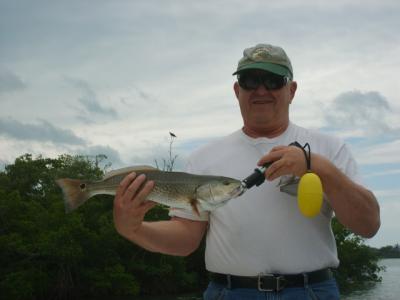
{"x": 92, "y": 106}
{"x": 381, "y": 153}
{"x": 158, "y": 65}
{"x": 389, "y": 195}
{"x": 383, "y": 173}
{"x": 42, "y": 131}
{"x": 112, "y": 157}
{"x": 365, "y": 112}
{"x": 10, "y": 82}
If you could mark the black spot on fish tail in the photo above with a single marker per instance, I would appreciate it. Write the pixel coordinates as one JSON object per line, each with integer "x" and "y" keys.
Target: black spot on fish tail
{"x": 74, "y": 191}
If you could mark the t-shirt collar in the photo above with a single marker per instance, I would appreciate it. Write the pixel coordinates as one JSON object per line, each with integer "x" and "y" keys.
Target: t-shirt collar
{"x": 263, "y": 140}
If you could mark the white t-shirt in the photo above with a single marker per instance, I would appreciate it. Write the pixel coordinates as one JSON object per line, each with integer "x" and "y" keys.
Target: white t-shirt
{"x": 263, "y": 231}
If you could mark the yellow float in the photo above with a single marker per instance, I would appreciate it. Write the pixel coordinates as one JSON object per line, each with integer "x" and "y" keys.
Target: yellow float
{"x": 309, "y": 194}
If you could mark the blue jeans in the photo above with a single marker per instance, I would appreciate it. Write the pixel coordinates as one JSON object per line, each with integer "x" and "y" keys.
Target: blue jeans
{"x": 322, "y": 291}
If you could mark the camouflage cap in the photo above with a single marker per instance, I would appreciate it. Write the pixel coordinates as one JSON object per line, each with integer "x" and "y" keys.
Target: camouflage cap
{"x": 266, "y": 57}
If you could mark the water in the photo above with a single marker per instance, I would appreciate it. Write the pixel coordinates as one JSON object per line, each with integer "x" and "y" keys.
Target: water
{"x": 388, "y": 289}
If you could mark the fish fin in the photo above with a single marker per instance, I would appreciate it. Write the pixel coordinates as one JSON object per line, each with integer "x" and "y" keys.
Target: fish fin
{"x": 129, "y": 170}
{"x": 74, "y": 191}
{"x": 193, "y": 203}
{"x": 290, "y": 188}
{"x": 288, "y": 179}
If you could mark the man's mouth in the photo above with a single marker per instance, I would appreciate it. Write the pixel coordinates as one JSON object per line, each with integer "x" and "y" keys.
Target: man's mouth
{"x": 262, "y": 102}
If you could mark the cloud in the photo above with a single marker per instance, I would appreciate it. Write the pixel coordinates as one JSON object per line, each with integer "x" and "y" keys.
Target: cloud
{"x": 113, "y": 156}
{"x": 383, "y": 173}
{"x": 366, "y": 113}
{"x": 380, "y": 153}
{"x": 43, "y": 131}
{"x": 90, "y": 103}
{"x": 137, "y": 101}
{"x": 144, "y": 95}
{"x": 391, "y": 194}
{"x": 10, "y": 82}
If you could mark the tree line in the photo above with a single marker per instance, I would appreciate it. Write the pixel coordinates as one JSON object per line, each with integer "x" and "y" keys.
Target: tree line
{"x": 48, "y": 254}
{"x": 388, "y": 251}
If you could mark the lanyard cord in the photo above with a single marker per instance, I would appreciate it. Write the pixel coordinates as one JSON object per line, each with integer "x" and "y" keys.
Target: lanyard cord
{"x": 258, "y": 177}
{"x": 307, "y": 155}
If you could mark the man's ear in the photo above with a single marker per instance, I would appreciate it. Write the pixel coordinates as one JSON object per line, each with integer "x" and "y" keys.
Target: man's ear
{"x": 236, "y": 88}
{"x": 293, "y": 88}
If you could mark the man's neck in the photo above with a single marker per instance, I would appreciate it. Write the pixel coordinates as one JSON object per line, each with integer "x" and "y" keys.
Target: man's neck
{"x": 265, "y": 132}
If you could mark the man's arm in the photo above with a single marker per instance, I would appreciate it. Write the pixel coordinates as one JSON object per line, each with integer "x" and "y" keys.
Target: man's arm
{"x": 354, "y": 206}
{"x": 177, "y": 236}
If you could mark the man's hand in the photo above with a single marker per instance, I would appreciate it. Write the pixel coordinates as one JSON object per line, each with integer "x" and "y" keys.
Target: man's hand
{"x": 354, "y": 206}
{"x": 130, "y": 206}
{"x": 287, "y": 160}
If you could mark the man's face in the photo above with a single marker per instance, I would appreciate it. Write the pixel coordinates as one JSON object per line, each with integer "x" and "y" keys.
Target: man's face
{"x": 264, "y": 108}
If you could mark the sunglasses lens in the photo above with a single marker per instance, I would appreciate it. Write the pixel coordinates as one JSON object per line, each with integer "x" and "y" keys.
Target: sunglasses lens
{"x": 274, "y": 83}
{"x": 249, "y": 81}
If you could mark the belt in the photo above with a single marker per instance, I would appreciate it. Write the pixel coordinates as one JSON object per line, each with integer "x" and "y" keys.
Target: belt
{"x": 271, "y": 282}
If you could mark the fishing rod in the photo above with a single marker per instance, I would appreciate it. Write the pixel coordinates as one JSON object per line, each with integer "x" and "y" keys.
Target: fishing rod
{"x": 309, "y": 190}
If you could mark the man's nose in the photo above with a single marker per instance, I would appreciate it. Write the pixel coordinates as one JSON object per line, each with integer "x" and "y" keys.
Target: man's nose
{"x": 261, "y": 90}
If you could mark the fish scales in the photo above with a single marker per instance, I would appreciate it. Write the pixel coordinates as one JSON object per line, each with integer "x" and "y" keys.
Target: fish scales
{"x": 174, "y": 189}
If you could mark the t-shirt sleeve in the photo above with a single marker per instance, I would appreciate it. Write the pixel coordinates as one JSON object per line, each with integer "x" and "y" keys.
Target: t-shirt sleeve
{"x": 345, "y": 161}
{"x": 187, "y": 214}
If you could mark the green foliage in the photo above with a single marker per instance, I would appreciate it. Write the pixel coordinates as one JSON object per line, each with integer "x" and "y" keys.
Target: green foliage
{"x": 389, "y": 251}
{"x": 358, "y": 262}
{"x": 47, "y": 254}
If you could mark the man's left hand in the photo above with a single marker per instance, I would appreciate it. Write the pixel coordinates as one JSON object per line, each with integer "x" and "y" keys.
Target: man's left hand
{"x": 287, "y": 160}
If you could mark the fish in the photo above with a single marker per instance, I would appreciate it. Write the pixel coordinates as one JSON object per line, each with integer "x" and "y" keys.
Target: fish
{"x": 173, "y": 189}
{"x": 289, "y": 184}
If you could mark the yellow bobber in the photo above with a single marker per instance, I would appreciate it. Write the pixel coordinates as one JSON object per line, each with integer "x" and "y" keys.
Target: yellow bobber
{"x": 310, "y": 194}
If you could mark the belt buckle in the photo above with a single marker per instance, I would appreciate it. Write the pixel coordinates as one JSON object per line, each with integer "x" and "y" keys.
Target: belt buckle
{"x": 277, "y": 280}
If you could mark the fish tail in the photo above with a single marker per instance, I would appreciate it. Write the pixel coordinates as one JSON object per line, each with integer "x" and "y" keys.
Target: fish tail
{"x": 75, "y": 193}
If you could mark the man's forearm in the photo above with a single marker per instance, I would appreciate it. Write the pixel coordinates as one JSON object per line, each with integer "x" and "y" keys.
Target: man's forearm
{"x": 174, "y": 237}
{"x": 354, "y": 206}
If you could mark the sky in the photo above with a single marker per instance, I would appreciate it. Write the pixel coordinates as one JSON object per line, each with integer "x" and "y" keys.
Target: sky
{"x": 115, "y": 77}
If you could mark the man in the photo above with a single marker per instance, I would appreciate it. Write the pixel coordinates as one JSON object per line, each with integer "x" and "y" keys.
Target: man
{"x": 259, "y": 245}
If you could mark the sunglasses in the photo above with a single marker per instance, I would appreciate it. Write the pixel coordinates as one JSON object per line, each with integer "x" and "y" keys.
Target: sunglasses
{"x": 252, "y": 81}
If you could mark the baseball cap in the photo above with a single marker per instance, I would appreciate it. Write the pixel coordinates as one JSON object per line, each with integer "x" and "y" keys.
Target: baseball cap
{"x": 266, "y": 57}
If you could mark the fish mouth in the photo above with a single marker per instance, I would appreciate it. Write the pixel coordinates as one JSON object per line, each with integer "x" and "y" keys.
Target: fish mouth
{"x": 238, "y": 191}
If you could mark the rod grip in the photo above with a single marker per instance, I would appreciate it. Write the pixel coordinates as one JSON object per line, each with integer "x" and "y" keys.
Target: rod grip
{"x": 257, "y": 177}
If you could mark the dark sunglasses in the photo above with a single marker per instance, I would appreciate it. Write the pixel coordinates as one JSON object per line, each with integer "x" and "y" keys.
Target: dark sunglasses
{"x": 252, "y": 81}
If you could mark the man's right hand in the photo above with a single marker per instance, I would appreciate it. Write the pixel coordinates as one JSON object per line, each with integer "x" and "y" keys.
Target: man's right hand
{"x": 130, "y": 205}
{"x": 177, "y": 236}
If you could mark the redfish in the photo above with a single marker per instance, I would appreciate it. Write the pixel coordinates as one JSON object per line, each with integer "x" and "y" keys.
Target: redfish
{"x": 173, "y": 189}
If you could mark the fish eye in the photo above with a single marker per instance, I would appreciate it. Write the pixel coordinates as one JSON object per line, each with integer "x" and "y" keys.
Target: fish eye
{"x": 226, "y": 183}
